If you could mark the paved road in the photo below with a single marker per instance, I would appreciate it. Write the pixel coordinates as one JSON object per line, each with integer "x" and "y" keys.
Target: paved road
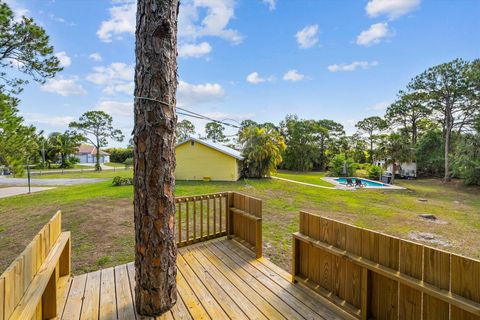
{"x": 48, "y": 182}
{"x": 15, "y": 191}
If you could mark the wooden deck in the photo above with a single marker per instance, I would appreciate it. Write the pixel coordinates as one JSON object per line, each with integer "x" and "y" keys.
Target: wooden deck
{"x": 218, "y": 279}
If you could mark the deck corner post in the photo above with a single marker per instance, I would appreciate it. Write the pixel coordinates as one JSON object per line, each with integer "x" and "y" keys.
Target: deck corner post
{"x": 258, "y": 241}
{"x": 230, "y": 196}
{"x": 364, "y": 294}
{"x": 294, "y": 258}
{"x": 65, "y": 261}
{"x": 49, "y": 298}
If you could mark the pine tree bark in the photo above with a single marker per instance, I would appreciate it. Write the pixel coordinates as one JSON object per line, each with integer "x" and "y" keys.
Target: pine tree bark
{"x": 154, "y": 151}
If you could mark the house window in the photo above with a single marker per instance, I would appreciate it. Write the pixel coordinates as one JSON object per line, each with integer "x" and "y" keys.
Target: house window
{"x": 192, "y": 143}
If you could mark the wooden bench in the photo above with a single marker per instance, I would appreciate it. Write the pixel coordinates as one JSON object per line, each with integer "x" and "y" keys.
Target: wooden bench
{"x": 31, "y": 285}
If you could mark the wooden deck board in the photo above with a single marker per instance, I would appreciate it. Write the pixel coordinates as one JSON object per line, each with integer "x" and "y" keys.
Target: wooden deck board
{"x": 216, "y": 280}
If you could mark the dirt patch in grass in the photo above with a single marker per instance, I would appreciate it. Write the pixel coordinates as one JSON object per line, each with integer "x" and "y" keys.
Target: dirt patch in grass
{"x": 100, "y": 228}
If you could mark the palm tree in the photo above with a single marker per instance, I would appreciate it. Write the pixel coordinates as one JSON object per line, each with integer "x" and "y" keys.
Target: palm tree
{"x": 262, "y": 149}
{"x": 64, "y": 144}
{"x": 396, "y": 148}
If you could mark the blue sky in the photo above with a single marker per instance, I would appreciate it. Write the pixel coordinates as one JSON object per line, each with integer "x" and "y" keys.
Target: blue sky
{"x": 251, "y": 59}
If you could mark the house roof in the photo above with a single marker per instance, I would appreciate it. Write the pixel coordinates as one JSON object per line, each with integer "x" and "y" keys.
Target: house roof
{"x": 221, "y": 148}
{"x": 89, "y": 149}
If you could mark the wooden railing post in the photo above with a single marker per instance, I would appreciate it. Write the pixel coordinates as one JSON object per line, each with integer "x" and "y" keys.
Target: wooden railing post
{"x": 364, "y": 294}
{"x": 229, "y": 214}
{"x": 65, "y": 262}
{"x": 49, "y": 298}
{"x": 294, "y": 258}
{"x": 258, "y": 234}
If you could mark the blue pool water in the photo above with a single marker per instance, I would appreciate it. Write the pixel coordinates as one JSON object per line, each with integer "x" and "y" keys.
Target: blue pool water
{"x": 365, "y": 182}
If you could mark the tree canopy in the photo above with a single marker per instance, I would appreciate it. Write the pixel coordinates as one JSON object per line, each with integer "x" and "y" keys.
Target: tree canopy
{"x": 262, "y": 149}
{"x": 184, "y": 130}
{"x": 97, "y": 128}
{"x": 24, "y": 46}
{"x": 215, "y": 132}
{"x": 18, "y": 143}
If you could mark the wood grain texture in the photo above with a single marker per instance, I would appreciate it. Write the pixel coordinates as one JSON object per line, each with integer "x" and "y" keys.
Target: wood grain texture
{"x": 437, "y": 272}
{"x": 400, "y": 279}
{"x": 465, "y": 281}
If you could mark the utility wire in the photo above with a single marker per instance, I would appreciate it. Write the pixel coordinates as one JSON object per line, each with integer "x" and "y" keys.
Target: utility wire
{"x": 189, "y": 113}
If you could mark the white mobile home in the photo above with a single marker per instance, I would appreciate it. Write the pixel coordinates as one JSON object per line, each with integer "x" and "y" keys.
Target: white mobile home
{"x": 403, "y": 170}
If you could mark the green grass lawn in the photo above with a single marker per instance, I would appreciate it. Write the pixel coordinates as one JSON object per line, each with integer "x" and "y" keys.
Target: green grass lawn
{"x": 100, "y": 216}
{"x": 114, "y": 164}
{"x": 308, "y": 177}
{"x": 89, "y": 174}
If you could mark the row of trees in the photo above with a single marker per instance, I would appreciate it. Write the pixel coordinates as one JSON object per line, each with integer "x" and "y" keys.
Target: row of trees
{"x": 434, "y": 121}
{"x": 24, "y": 51}
{"x": 25, "y": 54}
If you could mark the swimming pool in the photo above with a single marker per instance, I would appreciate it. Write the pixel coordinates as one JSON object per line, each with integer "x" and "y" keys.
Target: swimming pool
{"x": 366, "y": 182}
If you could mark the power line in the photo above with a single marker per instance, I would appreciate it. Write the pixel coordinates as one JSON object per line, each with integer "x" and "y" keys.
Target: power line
{"x": 189, "y": 113}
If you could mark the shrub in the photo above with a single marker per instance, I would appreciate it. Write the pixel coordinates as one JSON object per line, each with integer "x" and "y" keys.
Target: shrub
{"x": 119, "y": 155}
{"x": 337, "y": 166}
{"x": 374, "y": 172}
{"x": 128, "y": 162}
{"x": 363, "y": 166}
{"x": 121, "y": 181}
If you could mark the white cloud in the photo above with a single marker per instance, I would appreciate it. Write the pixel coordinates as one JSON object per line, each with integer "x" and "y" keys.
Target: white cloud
{"x": 126, "y": 88}
{"x": 352, "y": 66}
{"x": 61, "y": 20}
{"x": 293, "y": 75}
{"x": 216, "y": 15}
{"x": 96, "y": 56}
{"x": 65, "y": 60}
{"x": 391, "y": 8}
{"x": 47, "y": 119}
{"x": 380, "y": 106}
{"x": 117, "y": 78}
{"x": 122, "y": 20}
{"x": 194, "y": 50}
{"x": 255, "y": 78}
{"x": 272, "y": 4}
{"x": 307, "y": 37}
{"x": 64, "y": 87}
{"x": 374, "y": 34}
{"x": 222, "y": 116}
{"x": 116, "y": 108}
{"x": 198, "y": 93}
{"x": 117, "y": 71}
{"x": 18, "y": 10}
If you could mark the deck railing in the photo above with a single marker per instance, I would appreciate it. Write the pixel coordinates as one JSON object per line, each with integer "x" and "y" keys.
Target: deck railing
{"x": 245, "y": 218}
{"x": 208, "y": 216}
{"x": 373, "y": 275}
{"x": 30, "y": 285}
{"x": 201, "y": 217}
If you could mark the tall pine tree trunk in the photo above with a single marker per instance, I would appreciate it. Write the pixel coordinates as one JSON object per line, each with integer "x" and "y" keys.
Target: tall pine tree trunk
{"x": 447, "y": 177}
{"x": 154, "y": 140}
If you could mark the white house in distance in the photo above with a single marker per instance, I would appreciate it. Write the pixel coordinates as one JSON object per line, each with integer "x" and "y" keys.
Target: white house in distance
{"x": 87, "y": 154}
{"x": 403, "y": 170}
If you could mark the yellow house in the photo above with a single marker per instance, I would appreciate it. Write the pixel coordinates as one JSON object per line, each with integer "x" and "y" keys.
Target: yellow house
{"x": 205, "y": 160}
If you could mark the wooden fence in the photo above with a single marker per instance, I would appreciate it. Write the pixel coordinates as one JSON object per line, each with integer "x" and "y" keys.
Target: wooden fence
{"x": 30, "y": 285}
{"x": 373, "y": 275}
{"x": 246, "y": 220}
{"x": 204, "y": 217}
